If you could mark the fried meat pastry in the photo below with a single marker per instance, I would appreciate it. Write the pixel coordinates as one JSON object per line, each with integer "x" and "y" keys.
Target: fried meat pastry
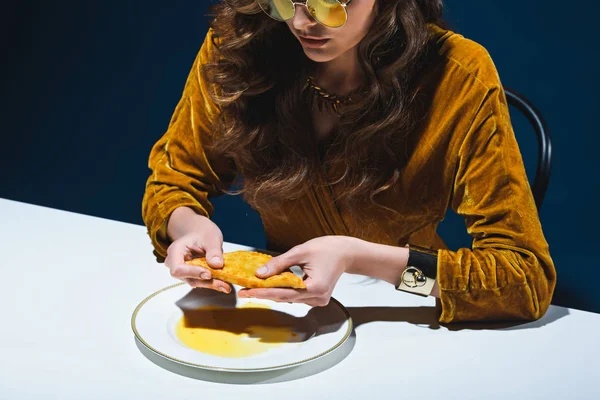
{"x": 239, "y": 268}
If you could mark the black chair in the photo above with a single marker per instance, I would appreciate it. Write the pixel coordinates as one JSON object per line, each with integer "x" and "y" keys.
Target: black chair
{"x": 542, "y": 175}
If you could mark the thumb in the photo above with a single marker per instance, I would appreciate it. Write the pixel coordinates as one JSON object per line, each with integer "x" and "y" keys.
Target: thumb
{"x": 214, "y": 253}
{"x": 280, "y": 263}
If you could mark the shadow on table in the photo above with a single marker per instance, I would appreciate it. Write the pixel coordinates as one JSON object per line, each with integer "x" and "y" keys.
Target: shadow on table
{"x": 554, "y": 313}
{"x": 423, "y": 316}
{"x": 427, "y": 317}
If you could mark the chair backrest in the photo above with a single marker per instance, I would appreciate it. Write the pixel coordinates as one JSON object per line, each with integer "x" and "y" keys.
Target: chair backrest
{"x": 544, "y": 165}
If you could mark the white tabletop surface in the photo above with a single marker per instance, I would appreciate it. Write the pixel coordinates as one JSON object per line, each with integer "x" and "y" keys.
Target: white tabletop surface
{"x": 70, "y": 283}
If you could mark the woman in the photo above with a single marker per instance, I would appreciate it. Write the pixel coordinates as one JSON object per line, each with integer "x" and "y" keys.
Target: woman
{"x": 354, "y": 126}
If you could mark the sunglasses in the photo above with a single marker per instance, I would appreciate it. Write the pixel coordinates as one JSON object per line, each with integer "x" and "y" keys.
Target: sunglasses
{"x": 331, "y": 13}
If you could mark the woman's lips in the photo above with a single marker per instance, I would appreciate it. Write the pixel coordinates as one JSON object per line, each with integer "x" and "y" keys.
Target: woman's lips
{"x": 312, "y": 42}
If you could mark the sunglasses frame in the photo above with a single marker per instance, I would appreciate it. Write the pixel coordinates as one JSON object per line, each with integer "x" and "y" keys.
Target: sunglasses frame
{"x": 305, "y": 4}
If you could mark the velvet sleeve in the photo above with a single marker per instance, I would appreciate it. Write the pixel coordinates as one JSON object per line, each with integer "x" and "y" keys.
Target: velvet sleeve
{"x": 184, "y": 172}
{"x": 508, "y": 273}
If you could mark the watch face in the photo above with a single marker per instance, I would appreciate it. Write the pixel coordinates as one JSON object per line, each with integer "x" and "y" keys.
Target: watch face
{"x": 413, "y": 277}
{"x": 414, "y": 281}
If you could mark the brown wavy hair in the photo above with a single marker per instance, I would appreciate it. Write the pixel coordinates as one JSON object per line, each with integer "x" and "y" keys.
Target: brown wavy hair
{"x": 259, "y": 76}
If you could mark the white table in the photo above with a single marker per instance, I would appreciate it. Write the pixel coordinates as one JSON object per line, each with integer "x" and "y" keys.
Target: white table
{"x": 70, "y": 283}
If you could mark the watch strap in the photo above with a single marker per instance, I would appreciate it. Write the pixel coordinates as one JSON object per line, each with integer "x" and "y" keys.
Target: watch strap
{"x": 421, "y": 272}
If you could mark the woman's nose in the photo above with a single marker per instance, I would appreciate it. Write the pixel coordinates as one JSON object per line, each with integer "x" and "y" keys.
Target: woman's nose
{"x": 302, "y": 17}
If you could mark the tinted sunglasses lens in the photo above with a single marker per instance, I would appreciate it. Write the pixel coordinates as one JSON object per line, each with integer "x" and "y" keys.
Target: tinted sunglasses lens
{"x": 281, "y": 10}
{"x": 328, "y": 12}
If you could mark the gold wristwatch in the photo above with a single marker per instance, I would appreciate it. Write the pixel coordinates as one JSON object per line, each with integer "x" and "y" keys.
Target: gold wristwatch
{"x": 420, "y": 273}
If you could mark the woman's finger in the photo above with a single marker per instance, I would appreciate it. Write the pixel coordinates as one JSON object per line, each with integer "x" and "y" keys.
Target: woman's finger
{"x": 282, "y": 295}
{"x": 176, "y": 257}
{"x": 193, "y": 251}
{"x": 213, "y": 247}
{"x": 213, "y": 284}
{"x": 282, "y": 262}
{"x": 185, "y": 271}
{"x": 317, "y": 301}
{"x": 285, "y": 295}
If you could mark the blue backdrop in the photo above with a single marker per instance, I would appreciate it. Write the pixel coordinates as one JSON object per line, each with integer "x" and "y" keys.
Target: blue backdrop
{"x": 88, "y": 87}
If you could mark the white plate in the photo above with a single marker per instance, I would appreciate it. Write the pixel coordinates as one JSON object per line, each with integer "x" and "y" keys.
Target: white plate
{"x": 317, "y": 331}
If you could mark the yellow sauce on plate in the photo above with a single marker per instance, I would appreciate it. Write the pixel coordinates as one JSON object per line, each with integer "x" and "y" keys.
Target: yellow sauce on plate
{"x": 245, "y": 331}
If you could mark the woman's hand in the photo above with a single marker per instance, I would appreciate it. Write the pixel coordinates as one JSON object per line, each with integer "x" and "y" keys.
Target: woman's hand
{"x": 323, "y": 260}
{"x": 195, "y": 236}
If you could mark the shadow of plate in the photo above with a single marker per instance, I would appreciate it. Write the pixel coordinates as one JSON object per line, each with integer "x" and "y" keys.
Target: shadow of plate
{"x": 313, "y": 367}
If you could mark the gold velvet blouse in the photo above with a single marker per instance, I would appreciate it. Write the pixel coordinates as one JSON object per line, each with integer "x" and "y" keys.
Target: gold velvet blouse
{"x": 464, "y": 156}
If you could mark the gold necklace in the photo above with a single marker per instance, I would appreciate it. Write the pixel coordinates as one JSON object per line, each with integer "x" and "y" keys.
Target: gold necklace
{"x": 324, "y": 100}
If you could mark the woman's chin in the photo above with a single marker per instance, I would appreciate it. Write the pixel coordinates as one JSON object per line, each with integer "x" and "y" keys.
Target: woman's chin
{"x": 319, "y": 55}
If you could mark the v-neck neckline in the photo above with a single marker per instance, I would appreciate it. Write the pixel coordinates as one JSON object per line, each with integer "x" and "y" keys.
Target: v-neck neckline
{"x": 324, "y": 195}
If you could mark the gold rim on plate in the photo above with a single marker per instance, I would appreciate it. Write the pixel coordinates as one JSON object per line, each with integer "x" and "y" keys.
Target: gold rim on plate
{"x": 225, "y": 369}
